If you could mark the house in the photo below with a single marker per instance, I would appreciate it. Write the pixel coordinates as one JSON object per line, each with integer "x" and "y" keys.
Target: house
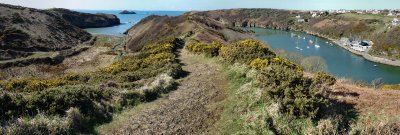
{"x": 391, "y": 13}
{"x": 298, "y": 16}
{"x": 344, "y": 41}
{"x": 363, "y": 46}
{"x": 360, "y": 12}
{"x": 375, "y": 12}
{"x": 395, "y": 22}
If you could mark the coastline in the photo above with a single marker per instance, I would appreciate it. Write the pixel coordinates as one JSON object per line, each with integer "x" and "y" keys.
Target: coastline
{"x": 365, "y": 55}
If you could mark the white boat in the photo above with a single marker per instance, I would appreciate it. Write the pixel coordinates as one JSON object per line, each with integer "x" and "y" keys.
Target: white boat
{"x": 298, "y": 48}
{"x": 327, "y": 42}
{"x": 311, "y": 41}
{"x": 292, "y": 34}
{"x": 308, "y": 47}
{"x": 375, "y": 65}
{"x": 301, "y": 49}
{"x": 304, "y": 38}
{"x": 316, "y": 43}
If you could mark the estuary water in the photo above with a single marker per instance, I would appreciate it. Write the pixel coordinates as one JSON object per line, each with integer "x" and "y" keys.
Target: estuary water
{"x": 127, "y": 20}
{"x": 341, "y": 63}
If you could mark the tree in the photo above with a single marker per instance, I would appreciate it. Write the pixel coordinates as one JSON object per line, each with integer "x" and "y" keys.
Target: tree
{"x": 376, "y": 83}
{"x": 314, "y": 64}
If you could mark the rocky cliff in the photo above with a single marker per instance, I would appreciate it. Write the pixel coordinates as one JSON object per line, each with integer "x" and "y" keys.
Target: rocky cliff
{"x": 25, "y": 30}
{"x": 86, "y": 20}
{"x": 263, "y": 18}
{"x": 201, "y": 28}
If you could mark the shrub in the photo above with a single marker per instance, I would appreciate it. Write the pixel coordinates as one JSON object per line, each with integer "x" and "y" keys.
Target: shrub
{"x": 58, "y": 100}
{"x": 314, "y": 64}
{"x": 324, "y": 78}
{"x": 391, "y": 87}
{"x": 76, "y": 119}
{"x": 279, "y": 61}
{"x": 211, "y": 49}
{"x": 376, "y": 83}
{"x": 325, "y": 127}
{"x": 33, "y": 84}
{"x": 39, "y": 125}
{"x": 15, "y": 85}
{"x": 246, "y": 51}
{"x": 158, "y": 59}
{"x": 288, "y": 86}
{"x": 259, "y": 63}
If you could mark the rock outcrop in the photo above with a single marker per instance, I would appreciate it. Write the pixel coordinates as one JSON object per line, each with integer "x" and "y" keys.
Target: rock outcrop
{"x": 86, "y": 20}
{"x": 200, "y": 28}
{"x": 262, "y": 18}
{"x": 24, "y": 30}
{"x": 127, "y": 12}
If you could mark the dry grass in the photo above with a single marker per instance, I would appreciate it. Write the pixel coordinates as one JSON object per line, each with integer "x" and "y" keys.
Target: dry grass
{"x": 368, "y": 100}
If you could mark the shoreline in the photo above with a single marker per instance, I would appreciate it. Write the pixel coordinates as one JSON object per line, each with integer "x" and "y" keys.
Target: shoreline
{"x": 365, "y": 55}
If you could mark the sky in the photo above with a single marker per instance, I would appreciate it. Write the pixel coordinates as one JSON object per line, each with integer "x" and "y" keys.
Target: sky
{"x": 187, "y": 5}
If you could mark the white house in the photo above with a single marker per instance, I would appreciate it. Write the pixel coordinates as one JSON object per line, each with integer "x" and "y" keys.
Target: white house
{"x": 395, "y": 22}
{"x": 314, "y": 15}
{"x": 361, "y": 47}
{"x": 298, "y": 16}
{"x": 375, "y": 12}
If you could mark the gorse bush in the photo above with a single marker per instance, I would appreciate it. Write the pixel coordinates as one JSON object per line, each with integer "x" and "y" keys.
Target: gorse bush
{"x": 246, "y": 51}
{"x": 259, "y": 63}
{"x": 324, "y": 78}
{"x": 211, "y": 49}
{"x": 297, "y": 94}
{"x": 391, "y": 87}
{"x": 89, "y": 98}
{"x": 34, "y": 84}
{"x": 280, "y": 79}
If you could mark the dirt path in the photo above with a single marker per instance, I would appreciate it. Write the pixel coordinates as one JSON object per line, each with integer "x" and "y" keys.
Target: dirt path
{"x": 187, "y": 110}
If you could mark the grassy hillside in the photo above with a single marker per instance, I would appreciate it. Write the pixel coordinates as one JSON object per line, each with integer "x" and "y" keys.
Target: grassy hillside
{"x": 270, "y": 95}
{"x": 73, "y": 103}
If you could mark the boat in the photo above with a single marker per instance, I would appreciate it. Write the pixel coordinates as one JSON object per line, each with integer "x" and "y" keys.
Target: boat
{"x": 304, "y": 38}
{"x": 298, "y": 48}
{"x": 316, "y": 43}
{"x": 311, "y": 41}
{"x": 375, "y": 65}
{"x": 308, "y": 47}
{"x": 327, "y": 42}
{"x": 292, "y": 34}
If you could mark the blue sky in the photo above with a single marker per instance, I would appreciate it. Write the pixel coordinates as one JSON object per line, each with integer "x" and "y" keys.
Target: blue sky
{"x": 185, "y": 5}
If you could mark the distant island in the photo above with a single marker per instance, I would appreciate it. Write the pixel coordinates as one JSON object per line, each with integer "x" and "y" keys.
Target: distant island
{"x": 127, "y": 12}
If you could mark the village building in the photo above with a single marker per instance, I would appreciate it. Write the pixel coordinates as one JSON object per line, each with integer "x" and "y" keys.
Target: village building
{"x": 396, "y": 22}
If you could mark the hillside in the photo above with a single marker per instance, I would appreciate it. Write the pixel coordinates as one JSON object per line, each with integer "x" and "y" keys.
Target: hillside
{"x": 155, "y": 28}
{"x": 191, "y": 74}
{"x": 86, "y": 20}
{"x": 26, "y": 30}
